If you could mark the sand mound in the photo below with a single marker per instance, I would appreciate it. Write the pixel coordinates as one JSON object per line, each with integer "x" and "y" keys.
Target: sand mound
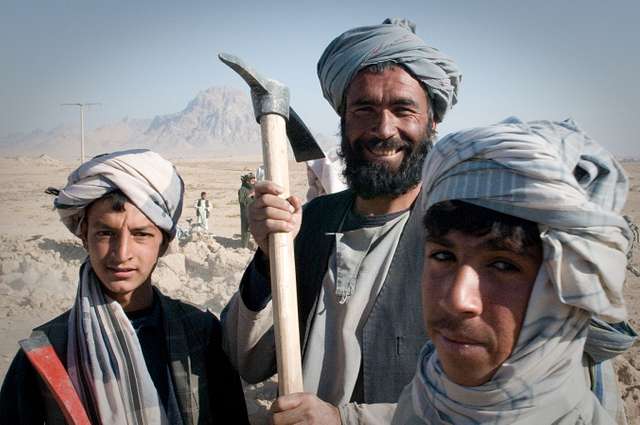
{"x": 42, "y": 274}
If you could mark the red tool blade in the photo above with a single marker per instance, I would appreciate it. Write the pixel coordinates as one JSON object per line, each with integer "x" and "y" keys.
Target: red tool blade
{"x": 46, "y": 362}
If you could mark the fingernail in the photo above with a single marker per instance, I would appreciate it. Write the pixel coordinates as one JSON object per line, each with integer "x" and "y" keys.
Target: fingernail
{"x": 291, "y": 209}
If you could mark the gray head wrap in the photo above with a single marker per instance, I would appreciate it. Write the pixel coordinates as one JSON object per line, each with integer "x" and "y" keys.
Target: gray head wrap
{"x": 555, "y": 175}
{"x": 149, "y": 181}
{"x": 392, "y": 41}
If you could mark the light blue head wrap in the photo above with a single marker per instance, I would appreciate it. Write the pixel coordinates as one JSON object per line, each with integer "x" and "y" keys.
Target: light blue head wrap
{"x": 392, "y": 41}
{"x": 555, "y": 175}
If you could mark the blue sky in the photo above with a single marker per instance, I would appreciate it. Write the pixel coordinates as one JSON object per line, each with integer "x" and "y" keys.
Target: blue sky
{"x": 536, "y": 60}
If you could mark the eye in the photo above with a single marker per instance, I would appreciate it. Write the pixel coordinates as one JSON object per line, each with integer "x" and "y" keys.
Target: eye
{"x": 104, "y": 233}
{"x": 442, "y": 255}
{"x": 403, "y": 111}
{"x": 505, "y": 266}
{"x": 363, "y": 110}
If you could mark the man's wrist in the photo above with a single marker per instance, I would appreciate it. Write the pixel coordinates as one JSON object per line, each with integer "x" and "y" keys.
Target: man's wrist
{"x": 262, "y": 263}
{"x": 256, "y": 290}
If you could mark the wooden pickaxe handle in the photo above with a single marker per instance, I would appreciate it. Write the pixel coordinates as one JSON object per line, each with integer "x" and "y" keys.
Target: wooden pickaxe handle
{"x": 271, "y": 107}
{"x": 282, "y": 263}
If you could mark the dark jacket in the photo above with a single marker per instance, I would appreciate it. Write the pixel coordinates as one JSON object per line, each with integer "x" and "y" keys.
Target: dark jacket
{"x": 207, "y": 388}
{"x": 393, "y": 333}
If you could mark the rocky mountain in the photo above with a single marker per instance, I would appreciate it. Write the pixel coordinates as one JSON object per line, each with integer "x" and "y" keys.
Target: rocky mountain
{"x": 218, "y": 120}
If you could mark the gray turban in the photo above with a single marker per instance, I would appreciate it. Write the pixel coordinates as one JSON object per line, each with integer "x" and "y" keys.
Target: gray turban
{"x": 392, "y": 41}
{"x": 555, "y": 175}
{"x": 149, "y": 181}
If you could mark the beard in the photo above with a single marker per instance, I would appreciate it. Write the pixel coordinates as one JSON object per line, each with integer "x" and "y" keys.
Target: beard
{"x": 372, "y": 179}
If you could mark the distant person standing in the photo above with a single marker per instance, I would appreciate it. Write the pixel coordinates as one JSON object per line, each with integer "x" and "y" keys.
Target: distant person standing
{"x": 203, "y": 209}
{"x": 260, "y": 173}
{"x": 324, "y": 175}
{"x": 245, "y": 198}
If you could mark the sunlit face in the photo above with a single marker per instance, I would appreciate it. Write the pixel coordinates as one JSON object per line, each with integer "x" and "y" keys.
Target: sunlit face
{"x": 387, "y": 131}
{"x": 475, "y": 292}
{"x": 123, "y": 247}
{"x": 386, "y": 114}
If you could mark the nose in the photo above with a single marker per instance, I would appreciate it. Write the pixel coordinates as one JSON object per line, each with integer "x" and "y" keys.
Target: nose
{"x": 120, "y": 248}
{"x": 464, "y": 297}
{"x": 385, "y": 126}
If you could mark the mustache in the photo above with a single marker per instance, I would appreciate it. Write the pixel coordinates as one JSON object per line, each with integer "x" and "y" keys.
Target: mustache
{"x": 461, "y": 329}
{"x": 395, "y": 143}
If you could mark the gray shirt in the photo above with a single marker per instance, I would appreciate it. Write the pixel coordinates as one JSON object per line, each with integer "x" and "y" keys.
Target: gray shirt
{"x": 357, "y": 269}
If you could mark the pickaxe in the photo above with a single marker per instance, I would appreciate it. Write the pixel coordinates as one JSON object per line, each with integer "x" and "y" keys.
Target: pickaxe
{"x": 277, "y": 121}
{"x": 45, "y": 361}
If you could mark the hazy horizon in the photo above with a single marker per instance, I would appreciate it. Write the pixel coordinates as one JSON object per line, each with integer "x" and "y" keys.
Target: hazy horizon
{"x": 534, "y": 60}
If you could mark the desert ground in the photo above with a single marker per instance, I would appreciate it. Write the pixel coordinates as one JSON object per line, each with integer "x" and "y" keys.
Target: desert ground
{"x": 39, "y": 258}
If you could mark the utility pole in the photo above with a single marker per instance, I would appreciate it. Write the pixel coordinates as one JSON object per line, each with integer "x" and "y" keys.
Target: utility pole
{"x": 81, "y": 106}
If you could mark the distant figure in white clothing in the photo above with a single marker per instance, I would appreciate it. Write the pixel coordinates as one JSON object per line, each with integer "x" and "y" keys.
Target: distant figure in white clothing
{"x": 260, "y": 173}
{"x": 325, "y": 175}
{"x": 203, "y": 209}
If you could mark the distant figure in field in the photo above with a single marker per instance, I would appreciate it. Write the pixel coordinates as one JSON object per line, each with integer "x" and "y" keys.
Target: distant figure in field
{"x": 245, "y": 198}
{"x": 203, "y": 209}
{"x": 324, "y": 175}
{"x": 260, "y": 173}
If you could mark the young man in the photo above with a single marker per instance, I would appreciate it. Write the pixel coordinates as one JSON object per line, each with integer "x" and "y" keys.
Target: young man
{"x": 245, "y": 198}
{"x": 525, "y": 244}
{"x": 357, "y": 252}
{"x": 134, "y": 355}
{"x": 203, "y": 209}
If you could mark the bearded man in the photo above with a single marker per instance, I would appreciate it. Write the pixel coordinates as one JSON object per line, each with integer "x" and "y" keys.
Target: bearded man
{"x": 134, "y": 355}
{"x": 358, "y": 252}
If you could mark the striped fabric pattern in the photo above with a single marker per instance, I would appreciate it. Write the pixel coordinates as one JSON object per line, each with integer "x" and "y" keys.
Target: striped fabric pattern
{"x": 105, "y": 360}
{"x": 553, "y": 174}
{"x": 148, "y": 180}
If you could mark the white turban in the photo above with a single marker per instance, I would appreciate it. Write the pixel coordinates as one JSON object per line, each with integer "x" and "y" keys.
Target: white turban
{"x": 149, "y": 181}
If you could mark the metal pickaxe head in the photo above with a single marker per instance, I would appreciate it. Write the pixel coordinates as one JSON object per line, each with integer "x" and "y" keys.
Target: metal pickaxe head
{"x": 271, "y": 97}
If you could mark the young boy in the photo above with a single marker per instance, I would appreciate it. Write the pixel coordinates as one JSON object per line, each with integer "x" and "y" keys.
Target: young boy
{"x": 525, "y": 246}
{"x": 134, "y": 355}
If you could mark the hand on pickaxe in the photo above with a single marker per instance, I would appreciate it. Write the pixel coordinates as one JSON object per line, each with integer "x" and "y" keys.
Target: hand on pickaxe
{"x": 277, "y": 121}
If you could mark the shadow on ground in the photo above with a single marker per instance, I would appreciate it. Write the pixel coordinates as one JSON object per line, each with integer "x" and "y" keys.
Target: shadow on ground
{"x": 68, "y": 250}
{"x": 233, "y": 242}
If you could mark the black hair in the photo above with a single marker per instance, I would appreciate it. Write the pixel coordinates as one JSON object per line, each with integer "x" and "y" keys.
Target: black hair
{"x": 369, "y": 179}
{"x": 517, "y": 233}
{"x": 118, "y": 199}
{"x": 380, "y": 67}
